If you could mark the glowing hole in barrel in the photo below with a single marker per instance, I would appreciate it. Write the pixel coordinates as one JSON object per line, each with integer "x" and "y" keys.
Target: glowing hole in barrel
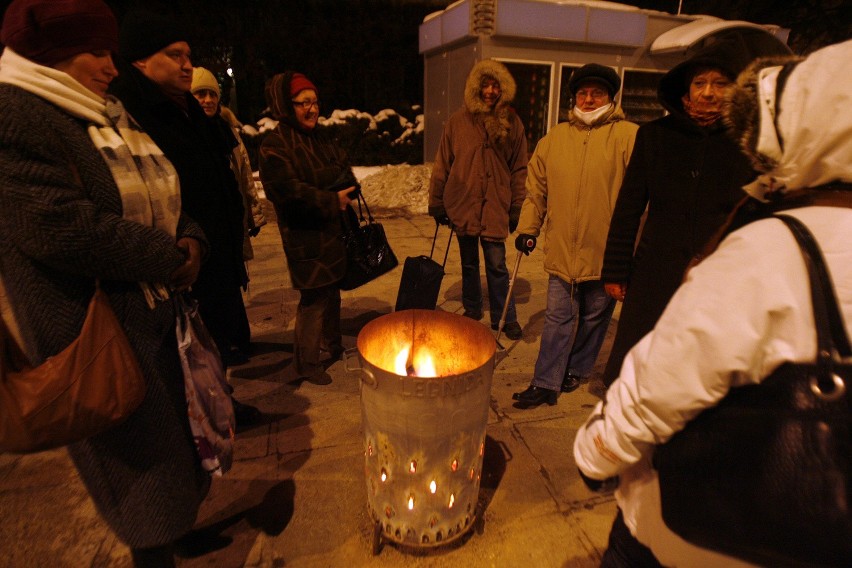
{"x": 433, "y": 486}
{"x": 410, "y": 502}
{"x": 452, "y": 499}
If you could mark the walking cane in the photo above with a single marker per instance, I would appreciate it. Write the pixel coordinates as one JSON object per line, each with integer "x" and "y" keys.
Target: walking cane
{"x": 529, "y": 243}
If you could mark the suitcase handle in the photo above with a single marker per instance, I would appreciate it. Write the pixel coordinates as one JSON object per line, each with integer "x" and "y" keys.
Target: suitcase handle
{"x": 435, "y": 239}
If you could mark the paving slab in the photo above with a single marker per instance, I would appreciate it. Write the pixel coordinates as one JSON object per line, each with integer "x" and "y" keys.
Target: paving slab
{"x": 296, "y": 495}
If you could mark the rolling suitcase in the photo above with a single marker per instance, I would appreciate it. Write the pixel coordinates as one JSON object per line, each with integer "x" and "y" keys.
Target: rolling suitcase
{"x": 421, "y": 279}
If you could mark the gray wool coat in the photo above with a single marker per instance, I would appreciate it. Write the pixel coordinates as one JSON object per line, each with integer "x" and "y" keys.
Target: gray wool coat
{"x": 61, "y": 229}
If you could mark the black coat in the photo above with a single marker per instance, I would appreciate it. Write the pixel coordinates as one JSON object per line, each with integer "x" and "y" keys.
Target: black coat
{"x": 209, "y": 192}
{"x": 60, "y": 228}
{"x": 301, "y": 173}
{"x": 690, "y": 178}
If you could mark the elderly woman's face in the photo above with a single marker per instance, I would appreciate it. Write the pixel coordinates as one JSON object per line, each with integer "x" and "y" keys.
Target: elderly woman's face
{"x": 95, "y": 70}
{"x": 707, "y": 90}
{"x": 591, "y": 95}
{"x": 306, "y": 107}
{"x": 209, "y": 101}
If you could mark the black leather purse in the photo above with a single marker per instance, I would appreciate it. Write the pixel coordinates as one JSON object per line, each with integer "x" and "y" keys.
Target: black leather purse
{"x": 765, "y": 475}
{"x": 368, "y": 254}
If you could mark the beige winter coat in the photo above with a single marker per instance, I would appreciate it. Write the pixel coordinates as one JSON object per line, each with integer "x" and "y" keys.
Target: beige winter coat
{"x": 573, "y": 179}
{"x": 481, "y": 166}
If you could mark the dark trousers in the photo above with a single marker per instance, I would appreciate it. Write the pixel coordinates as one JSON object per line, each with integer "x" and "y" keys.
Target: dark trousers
{"x": 496, "y": 276}
{"x": 224, "y": 315}
{"x": 624, "y": 551}
{"x": 317, "y": 322}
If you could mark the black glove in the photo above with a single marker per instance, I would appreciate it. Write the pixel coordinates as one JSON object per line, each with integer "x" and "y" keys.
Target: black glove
{"x": 514, "y": 217}
{"x": 525, "y": 243}
{"x": 607, "y": 485}
{"x": 440, "y": 216}
{"x": 253, "y": 232}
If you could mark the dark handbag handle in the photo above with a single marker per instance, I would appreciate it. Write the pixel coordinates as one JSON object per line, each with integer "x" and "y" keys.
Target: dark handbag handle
{"x": 360, "y": 215}
{"x": 449, "y": 241}
{"x": 831, "y": 333}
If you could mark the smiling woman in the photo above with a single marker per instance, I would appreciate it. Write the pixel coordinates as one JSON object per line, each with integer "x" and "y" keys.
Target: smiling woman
{"x": 94, "y": 70}
{"x": 79, "y": 185}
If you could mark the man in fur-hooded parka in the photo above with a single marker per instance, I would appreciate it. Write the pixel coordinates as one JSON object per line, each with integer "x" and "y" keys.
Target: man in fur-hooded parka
{"x": 478, "y": 179}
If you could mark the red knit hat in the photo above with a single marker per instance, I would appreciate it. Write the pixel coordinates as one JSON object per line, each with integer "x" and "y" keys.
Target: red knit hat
{"x": 299, "y": 83}
{"x": 50, "y": 31}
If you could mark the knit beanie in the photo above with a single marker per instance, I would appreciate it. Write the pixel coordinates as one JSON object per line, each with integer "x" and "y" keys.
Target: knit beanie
{"x": 49, "y": 31}
{"x": 594, "y": 72}
{"x": 144, "y": 33}
{"x": 204, "y": 79}
{"x": 299, "y": 83}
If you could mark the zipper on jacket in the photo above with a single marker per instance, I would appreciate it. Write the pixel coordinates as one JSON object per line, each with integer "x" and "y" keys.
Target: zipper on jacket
{"x": 576, "y": 232}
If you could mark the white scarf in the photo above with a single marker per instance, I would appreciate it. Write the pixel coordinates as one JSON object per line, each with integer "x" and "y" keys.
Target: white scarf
{"x": 146, "y": 180}
{"x": 590, "y": 117}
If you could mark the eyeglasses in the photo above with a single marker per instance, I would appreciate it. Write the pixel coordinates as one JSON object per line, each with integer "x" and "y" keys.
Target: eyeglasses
{"x": 306, "y": 105}
{"x": 596, "y": 94}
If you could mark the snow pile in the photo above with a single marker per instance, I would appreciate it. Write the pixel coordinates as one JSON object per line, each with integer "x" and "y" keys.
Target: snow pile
{"x": 351, "y": 115}
{"x": 396, "y": 191}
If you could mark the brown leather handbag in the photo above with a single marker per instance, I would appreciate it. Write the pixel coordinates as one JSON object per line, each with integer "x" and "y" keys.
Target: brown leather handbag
{"x": 88, "y": 387}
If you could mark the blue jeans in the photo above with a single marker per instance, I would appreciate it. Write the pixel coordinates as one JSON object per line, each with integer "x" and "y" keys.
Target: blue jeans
{"x": 575, "y": 325}
{"x": 496, "y": 276}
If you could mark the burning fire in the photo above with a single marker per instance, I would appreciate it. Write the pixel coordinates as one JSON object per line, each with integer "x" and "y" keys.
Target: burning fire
{"x": 418, "y": 365}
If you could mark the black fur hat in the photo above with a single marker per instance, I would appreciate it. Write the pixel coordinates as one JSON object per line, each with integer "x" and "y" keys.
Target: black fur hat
{"x": 593, "y": 71}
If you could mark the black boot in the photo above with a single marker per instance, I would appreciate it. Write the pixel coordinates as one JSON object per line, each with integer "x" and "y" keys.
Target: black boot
{"x": 535, "y": 396}
{"x": 570, "y": 383}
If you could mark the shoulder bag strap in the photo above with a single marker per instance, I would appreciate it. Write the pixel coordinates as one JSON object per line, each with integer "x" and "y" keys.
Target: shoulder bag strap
{"x": 831, "y": 333}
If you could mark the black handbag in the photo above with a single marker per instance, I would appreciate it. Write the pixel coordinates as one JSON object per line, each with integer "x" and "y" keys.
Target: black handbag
{"x": 368, "y": 254}
{"x": 765, "y": 475}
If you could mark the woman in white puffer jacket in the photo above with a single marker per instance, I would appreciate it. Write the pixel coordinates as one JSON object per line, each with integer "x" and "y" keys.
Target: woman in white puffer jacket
{"x": 745, "y": 309}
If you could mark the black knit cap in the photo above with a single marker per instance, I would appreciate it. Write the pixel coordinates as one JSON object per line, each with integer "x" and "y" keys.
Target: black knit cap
{"x": 594, "y": 72}
{"x": 145, "y": 33}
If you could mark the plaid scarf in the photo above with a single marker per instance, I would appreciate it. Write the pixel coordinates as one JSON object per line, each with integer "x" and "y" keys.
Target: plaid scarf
{"x": 146, "y": 180}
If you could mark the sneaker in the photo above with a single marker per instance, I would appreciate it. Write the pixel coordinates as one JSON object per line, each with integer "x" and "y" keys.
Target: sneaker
{"x": 473, "y": 315}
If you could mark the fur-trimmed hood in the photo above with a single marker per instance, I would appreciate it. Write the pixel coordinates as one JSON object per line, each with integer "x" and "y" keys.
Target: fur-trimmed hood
{"x": 496, "y": 121}
{"x": 791, "y": 118}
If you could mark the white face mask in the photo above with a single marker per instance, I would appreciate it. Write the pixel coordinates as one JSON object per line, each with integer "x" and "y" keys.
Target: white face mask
{"x": 589, "y": 118}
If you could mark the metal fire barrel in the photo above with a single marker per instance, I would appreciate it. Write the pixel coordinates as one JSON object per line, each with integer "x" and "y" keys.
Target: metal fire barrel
{"x": 424, "y": 436}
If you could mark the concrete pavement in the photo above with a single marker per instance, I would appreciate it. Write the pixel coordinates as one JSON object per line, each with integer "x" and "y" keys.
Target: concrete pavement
{"x": 296, "y": 495}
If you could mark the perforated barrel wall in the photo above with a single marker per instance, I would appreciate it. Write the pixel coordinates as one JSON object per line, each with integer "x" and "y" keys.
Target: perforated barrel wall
{"x": 424, "y": 436}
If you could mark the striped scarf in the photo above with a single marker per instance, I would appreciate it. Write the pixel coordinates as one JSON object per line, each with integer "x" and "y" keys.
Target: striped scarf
{"x": 146, "y": 180}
